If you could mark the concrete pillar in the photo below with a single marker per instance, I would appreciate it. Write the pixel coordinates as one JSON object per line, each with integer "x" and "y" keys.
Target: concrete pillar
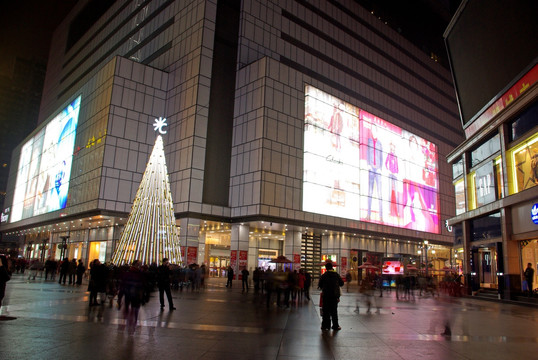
{"x": 189, "y": 237}
{"x": 511, "y": 258}
{"x": 239, "y": 248}
{"x": 466, "y": 234}
{"x": 292, "y": 247}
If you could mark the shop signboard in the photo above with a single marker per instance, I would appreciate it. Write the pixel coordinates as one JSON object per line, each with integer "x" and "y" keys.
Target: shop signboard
{"x": 485, "y": 184}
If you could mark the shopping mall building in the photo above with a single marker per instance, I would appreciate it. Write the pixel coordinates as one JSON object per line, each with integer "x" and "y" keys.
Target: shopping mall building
{"x": 305, "y": 129}
{"x": 494, "y": 59}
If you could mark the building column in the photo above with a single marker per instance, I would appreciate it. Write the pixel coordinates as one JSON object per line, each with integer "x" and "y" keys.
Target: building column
{"x": 511, "y": 258}
{"x": 466, "y": 234}
{"x": 239, "y": 248}
{"x": 189, "y": 237}
{"x": 292, "y": 247}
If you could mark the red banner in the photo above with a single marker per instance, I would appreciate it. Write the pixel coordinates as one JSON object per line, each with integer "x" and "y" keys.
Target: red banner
{"x": 243, "y": 256}
{"x": 192, "y": 252}
{"x": 233, "y": 261}
{"x": 296, "y": 258}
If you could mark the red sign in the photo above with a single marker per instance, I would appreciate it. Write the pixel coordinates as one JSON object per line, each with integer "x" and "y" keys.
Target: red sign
{"x": 233, "y": 260}
{"x": 243, "y": 259}
{"x": 504, "y": 101}
{"x": 192, "y": 251}
{"x": 296, "y": 258}
{"x": 182, "y": 249}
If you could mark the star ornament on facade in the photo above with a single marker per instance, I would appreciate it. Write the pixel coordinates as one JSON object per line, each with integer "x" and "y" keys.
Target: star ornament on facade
{"x": 159, "y": 124}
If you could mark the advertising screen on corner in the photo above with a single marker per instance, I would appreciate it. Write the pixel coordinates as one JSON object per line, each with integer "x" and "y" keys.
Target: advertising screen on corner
{"x": 361, "y": 167}
{"x": 44, "y": 168}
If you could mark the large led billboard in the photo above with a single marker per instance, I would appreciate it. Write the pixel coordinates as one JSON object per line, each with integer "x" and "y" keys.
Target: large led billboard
{"x": 361, "y": 167}
{"x": 44, "y": 168}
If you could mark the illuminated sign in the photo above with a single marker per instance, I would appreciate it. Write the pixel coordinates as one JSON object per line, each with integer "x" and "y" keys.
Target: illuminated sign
{"x": 534, "y": 214}
{"x": 159, "y": 124}
{"x": 361, "y": 167}
{"x": 45, "y": 166}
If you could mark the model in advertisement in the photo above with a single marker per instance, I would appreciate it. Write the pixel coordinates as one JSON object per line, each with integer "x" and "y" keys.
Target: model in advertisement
{"x": 375, "y": 165}
{"x": 391, "y": 163}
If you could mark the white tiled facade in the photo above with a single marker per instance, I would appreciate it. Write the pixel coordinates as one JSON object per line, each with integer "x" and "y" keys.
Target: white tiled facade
{"x": 282, "y": 46}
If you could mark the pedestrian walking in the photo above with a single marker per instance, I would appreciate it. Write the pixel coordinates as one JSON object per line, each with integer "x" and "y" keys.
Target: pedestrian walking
{"x": 330, "y": 283}
{"x": 64, "y": 270}
{"x": 72, "y": 271}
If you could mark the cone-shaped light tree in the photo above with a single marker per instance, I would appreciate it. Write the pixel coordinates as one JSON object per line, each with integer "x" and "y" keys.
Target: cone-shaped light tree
{"x": 150, "y": 233}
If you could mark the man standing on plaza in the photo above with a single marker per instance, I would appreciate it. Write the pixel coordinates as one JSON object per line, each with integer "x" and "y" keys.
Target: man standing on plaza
{"x": 163, "y": 281}
{"x": 330, "y": 284}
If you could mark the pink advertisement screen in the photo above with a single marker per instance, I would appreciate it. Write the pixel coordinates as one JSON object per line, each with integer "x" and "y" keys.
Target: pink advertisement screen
{"x": 361, "y": 167}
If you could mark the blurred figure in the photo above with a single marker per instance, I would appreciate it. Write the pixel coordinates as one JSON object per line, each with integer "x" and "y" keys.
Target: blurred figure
{"x": 230, "y": 277}
{"x": 330, "y": 283}
{"x": 163, "y": 281}
{"x": 81, "y": 269}
{"x": 50, "y": 268}
{"x": 529, "y": 276}
{"x": 256, "y": 279}
{"x": 35, "y": 266}
{"x": 5, "y": 276}
{"x": 64, "y": 270}
{"x": 72, "y": 271}
{"x": 307, "y": 284}
{"x": 98, "y": 281}
{"x": 244, "y": 279}
{"x": 134, "y": 294}
{"x": 300, "y": 284}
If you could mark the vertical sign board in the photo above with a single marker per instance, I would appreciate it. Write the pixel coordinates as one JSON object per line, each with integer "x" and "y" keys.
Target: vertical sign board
{"x": 233, "y": 260}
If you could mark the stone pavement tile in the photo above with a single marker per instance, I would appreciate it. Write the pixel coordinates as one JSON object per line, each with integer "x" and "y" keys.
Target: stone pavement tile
{"x": 498, "y": 351}
{"x": 426, "y": 350}
{"x": 365, "y": 353}
{"x": 359, "y": 340}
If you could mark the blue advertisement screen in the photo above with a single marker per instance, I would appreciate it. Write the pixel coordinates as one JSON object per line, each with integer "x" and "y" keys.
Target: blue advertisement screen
{"x": 42, "y": 183}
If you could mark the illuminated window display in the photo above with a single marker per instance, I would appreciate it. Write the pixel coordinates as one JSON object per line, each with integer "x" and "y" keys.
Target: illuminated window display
{"x": 361, "y": 167}
{"x": 45, "y": 166}
{"x": 523, "y": 165}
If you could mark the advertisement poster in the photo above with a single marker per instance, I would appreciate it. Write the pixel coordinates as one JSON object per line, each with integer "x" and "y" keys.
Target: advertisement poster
{"x": 183, "y": 252}
{"x": 243, "y": 256}
{"x": 192, "y": 252}
{"x": 233, "y": 261}
{"x": 343, "y": 266}
{"x": 361, "y": 167}
{"x": 45, "y": 166}
{"x": 297, "y": 259}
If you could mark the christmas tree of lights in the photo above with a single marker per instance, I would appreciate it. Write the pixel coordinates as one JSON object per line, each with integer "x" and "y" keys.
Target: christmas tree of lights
{"x": 150, "y": 233}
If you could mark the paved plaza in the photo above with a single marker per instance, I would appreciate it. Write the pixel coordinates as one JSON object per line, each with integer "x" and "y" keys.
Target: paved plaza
{"x": 45, "y": 320}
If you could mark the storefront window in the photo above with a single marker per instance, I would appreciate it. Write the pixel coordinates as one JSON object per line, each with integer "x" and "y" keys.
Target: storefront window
{"x": 97, "y": 251}
{"x": 471, "y": 191}
{"x": 529, "y": 254}
{"x": 486, "y": 227}
{"x": 525, "y": 122}
{"x": 523, "y": 165}
{"x": 459, "y": 188}
{"x": 484, "y": 151}
{"x": 457, "y": 169}
{"x": 499, "y": 181}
